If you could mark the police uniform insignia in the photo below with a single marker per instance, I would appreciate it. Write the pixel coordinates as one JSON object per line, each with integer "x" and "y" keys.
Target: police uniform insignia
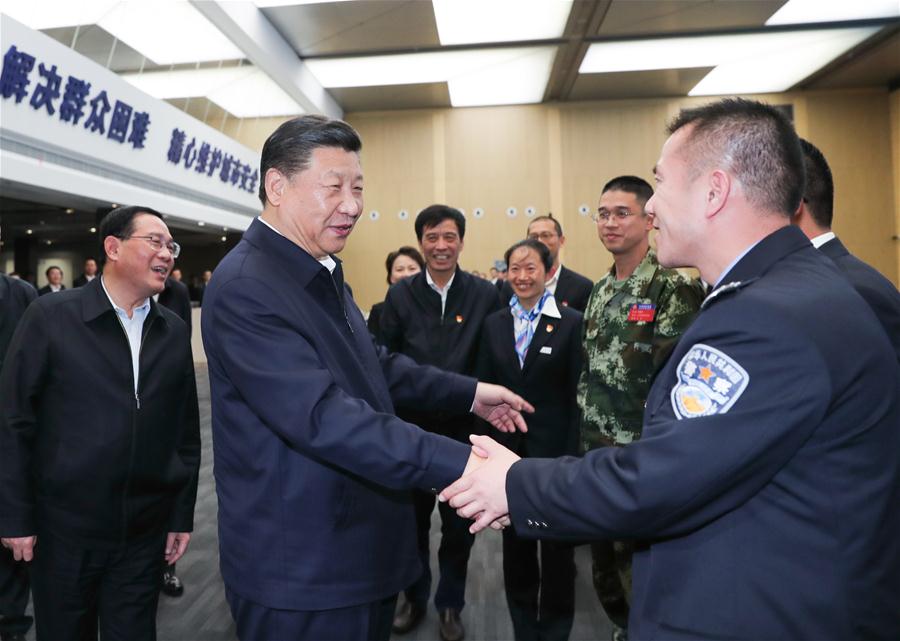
{"x": 709, "y": 382}
{"x": 459, "y": 318}
{"x": 549, "y": 328}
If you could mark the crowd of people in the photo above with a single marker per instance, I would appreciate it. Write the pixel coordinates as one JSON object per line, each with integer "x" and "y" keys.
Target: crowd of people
{"x": 727, "y": 447}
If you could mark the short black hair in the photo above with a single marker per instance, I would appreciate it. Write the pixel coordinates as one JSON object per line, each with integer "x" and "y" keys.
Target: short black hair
{"x": 819, "y": 194}
{"x": 755, "y": 141}
{"x": 537, "y": 246}
{"x": 549, "y": 217}
{"x": 434, "y": 215}
{"x": 631, "y": 185}
{"x": 52, "y": 267}
{"x": 120, "y": 223}
{"x": 289, "y": 148}
{"x": 409, "y": 252}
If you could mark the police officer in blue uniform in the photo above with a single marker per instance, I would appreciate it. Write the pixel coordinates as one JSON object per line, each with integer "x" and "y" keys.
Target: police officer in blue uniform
{"x": 765, "y": 492}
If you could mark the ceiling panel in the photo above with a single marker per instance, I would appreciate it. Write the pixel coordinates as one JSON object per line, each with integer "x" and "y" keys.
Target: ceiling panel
{"x": 347, "y": 27}
{"x": 630, "y": 17}
{"x": 418, "y": 96}
{"x": 636, "y": 84}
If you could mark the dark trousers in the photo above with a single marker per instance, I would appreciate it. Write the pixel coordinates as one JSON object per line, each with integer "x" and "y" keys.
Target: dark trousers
{"x": 540, "y": 594}
{"x": 79, "y": 592}
{"x": 366, "y": 622}
{"x": 611, "y": 569}
{"x": 453, "y": 555}
{"x": 14, "y": 586}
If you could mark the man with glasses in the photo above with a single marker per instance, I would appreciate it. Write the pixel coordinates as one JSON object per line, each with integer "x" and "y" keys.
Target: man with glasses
{"x": 569, "y": 288}
{"x": 100, "y": 440}
{"x": 634, "y": 317}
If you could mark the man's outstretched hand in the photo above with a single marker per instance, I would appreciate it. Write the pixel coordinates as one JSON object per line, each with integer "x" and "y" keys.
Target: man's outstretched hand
{"x": 501, "y": 408}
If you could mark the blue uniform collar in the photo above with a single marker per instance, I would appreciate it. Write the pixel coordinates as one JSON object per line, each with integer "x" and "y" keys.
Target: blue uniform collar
{"x": 759, "y": 259}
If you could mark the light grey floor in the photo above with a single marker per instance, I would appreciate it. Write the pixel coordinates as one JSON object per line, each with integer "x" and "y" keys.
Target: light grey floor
{"x": 201, "y": 614}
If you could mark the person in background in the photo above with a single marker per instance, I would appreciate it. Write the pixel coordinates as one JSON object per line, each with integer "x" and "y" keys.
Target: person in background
{"x": 435, "y": 318}
{"x": 89, "y": 273}
{"x": 634, "y": 318}
{"x": 814, "y": 218}
{"x": 176, "y": 275}
{"x": 406, "y": 261}
{"x": 54, "y": 281}
{"x": 15, "y": 296}
{"x": 175, "y": 296}
{"x": 533, "y": 348}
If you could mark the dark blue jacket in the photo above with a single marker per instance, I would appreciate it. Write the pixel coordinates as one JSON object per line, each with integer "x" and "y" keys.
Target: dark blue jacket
{"x": 766, "y": 486}
{"x": 876, "y": 290}
{"x": 312, "y": 467}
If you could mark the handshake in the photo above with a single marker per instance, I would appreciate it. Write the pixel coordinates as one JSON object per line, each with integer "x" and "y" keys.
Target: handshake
{"x": 480, "y": 493}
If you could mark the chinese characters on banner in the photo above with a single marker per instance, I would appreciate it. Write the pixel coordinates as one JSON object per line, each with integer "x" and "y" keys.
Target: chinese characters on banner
{"x": 114, "y": 119}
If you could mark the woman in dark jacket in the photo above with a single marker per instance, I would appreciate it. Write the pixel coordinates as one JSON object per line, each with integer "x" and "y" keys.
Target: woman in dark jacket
{"x": 533, "y": 347}
{"x": 404, "y": 262}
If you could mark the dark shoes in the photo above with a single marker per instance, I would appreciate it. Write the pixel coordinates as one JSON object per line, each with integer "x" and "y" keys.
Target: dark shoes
{"x": 407, "y": 617}
{"x": 171, "y": 584}
{"x": 451, "y": 626}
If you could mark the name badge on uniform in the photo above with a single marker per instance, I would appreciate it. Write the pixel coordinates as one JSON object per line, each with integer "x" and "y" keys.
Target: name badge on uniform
{"x": 709, "y": 382}
{"x": 642, "y": 312}
{"x": 546, "y": 349}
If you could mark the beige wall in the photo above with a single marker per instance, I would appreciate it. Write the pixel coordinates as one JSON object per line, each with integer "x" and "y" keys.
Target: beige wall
{"x": 556, "y": 157}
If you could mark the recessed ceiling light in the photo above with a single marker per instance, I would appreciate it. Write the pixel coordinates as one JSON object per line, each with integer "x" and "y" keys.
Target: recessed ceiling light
{"x": 52, "y": 14}
{"x": 114, "y": 205}
{"x": 807, "y": 11}
{"x": 744, "y": 63}
{"x": 474, "y": 21}
{"x": 70, "y": 211}
{"x": 49, "y": 242}
{"x": 781, "y": 62}
{"x": 29, "y": 231}
{"x": 93, "y": 230}
{"x": 500, "y": 76}
{"x": 224, "y": 238}
{"x": 168, "y": 32}
{"x": 245, "y": 91}
{"x": 288, "y": 3}
{"x": 201, "y": 223}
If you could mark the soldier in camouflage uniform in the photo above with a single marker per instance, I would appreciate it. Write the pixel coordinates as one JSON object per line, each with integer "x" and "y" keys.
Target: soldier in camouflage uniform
{"x": 633, "y": 319}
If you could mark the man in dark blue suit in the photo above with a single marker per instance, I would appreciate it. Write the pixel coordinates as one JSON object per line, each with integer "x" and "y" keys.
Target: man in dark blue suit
{"x": 313, "y": 469}
{"x": 814, "y": 218}
{"x": 764, "y": 492}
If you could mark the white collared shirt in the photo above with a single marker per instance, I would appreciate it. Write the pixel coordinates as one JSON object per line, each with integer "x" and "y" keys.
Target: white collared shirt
{"x": 550, "y": 285}
{"x": 550, "y": 309}
{"x": 821, "y": 239}
{"x": 442, "y": 291}
{"x": 328, "y": 262}
{"x": 133, "y": 327}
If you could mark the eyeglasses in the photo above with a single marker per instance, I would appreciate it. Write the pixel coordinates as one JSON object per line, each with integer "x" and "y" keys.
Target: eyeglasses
{"x": 619, "y": 214}
{"x": 544, "y": 235}
{"x": 157, "y": 243}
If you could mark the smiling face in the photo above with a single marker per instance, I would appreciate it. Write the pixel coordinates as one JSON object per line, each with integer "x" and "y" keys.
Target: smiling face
{"x": 441, "y": 246}
{"x": 135, "y": 263}
{"x": 318, "y": 207}
{"x": 526, "y": 275}
{"x": 403, "y": 266}
{"x": 677, "y": 205}
{"x": 628, "y": 235}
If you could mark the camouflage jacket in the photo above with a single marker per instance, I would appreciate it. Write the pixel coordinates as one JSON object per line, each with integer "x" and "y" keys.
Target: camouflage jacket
{"x": 629, "y": 332}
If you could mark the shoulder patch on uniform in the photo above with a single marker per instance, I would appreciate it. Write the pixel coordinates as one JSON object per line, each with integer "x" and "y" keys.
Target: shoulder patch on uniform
{"x": 709, "y": 382}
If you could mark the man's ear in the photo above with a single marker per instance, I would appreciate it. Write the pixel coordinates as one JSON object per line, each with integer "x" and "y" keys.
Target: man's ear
{"x": 719, "y": 191}
{"x": 111, "y": 246}
{"x": 275, "y": 184}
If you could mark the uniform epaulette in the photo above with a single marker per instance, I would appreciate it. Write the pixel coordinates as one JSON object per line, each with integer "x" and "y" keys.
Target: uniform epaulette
{"x": 725, "y": 289}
